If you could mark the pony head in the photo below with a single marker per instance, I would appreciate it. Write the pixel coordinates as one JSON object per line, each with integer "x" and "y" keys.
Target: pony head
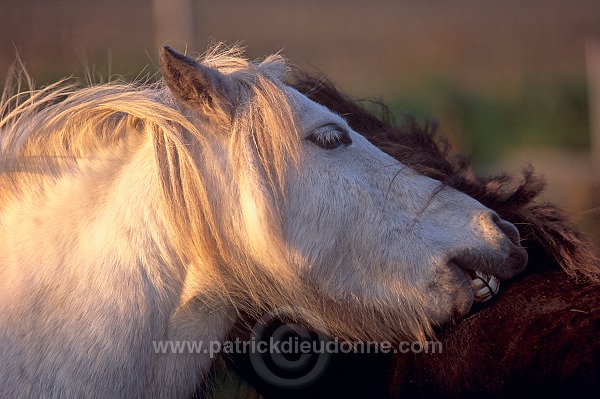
{"x": 275, "y": 201}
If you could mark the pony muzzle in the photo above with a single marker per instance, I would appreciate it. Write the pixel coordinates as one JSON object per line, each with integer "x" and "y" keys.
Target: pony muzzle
{"x": 501, "y": 258}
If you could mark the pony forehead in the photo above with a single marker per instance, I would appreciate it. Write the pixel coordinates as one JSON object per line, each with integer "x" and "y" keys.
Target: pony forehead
{"x": 311, "y": 114}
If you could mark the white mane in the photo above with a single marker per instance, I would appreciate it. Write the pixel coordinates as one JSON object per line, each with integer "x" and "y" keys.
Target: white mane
{"x": 45, "y": 131}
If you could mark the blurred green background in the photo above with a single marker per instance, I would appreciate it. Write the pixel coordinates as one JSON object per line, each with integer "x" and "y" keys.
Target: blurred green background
{"x": 507, "y": 80}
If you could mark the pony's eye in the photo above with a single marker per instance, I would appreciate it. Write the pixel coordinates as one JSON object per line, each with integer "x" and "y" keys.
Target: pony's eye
{"x": 330, "y": 136}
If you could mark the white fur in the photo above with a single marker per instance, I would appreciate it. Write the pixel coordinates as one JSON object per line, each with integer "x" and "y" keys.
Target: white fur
{"x": 103, "y": 249}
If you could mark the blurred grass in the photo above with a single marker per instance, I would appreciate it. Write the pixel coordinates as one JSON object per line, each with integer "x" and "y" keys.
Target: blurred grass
{"x": 225, "y": 383}
{"x": 487, "y": 125}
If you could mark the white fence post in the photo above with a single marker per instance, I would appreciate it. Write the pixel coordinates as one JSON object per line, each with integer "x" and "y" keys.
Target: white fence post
{"x": 592, "y": 60}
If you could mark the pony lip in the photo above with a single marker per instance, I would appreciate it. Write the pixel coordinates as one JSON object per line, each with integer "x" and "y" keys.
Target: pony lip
{"x": 485, "y": 286}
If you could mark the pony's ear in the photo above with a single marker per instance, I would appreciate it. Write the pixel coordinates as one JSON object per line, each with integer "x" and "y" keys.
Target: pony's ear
{"x": 196, "y": 85}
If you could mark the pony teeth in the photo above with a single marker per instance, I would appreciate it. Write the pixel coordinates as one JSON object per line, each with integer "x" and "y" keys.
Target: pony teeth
{"x": 484, "y": 286}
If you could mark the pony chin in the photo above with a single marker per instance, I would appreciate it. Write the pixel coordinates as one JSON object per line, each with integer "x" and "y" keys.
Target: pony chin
{"x": 375, "y": 321}
{"x": 389, "y": 309}
{"x": 451, "y": 295}
{"x": 385, "y": 311}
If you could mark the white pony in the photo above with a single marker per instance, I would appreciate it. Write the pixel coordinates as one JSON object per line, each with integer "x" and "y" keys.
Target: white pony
{"x": 135, "y": 213}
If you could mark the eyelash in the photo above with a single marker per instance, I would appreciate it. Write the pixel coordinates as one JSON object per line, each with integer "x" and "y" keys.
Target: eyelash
{"x": 330, "y": 137}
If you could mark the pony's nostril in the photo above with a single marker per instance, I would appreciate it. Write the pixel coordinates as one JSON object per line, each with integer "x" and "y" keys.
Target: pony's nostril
{"x": 497, "y": 254}
{"x": 507, "y": 228}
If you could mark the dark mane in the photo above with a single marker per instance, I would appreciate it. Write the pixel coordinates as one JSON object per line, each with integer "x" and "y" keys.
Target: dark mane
{"x": 547, "y": 233}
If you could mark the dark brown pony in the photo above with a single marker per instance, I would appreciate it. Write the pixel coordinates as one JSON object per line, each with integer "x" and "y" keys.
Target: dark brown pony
{"x": 541, "y": 336}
